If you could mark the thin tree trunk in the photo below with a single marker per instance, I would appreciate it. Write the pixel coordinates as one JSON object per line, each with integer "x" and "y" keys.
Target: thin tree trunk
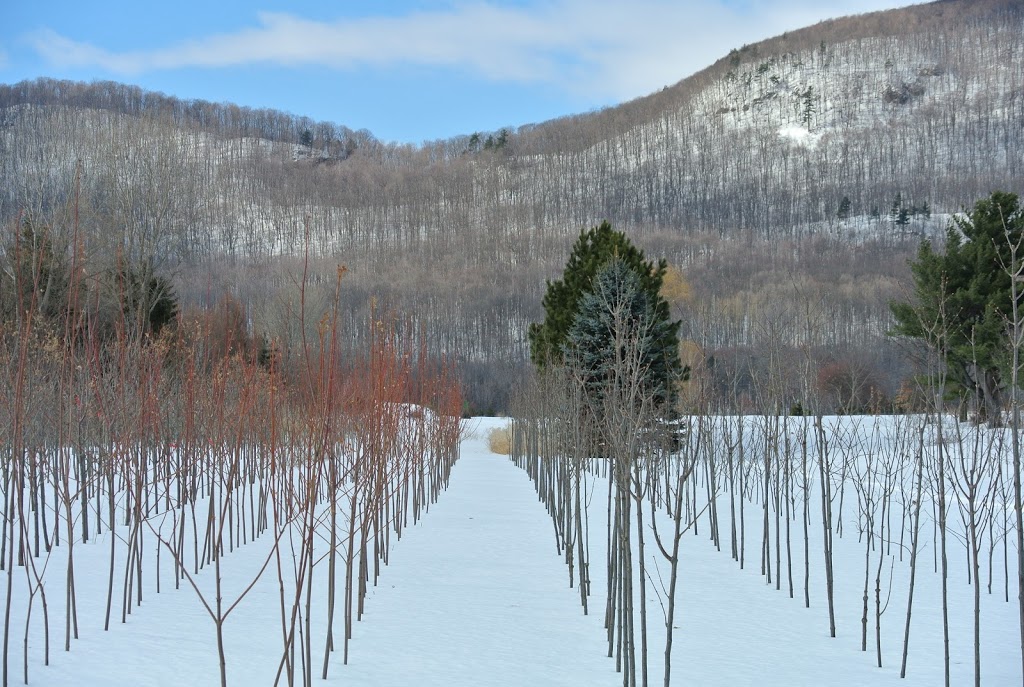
{"x": 826, "y": 518}
{"x": 913, "y": 551}
{"x": 942, "y": 552}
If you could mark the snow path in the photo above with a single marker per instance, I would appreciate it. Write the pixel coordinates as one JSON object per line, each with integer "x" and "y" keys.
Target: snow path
{"x": 477, "y": 594}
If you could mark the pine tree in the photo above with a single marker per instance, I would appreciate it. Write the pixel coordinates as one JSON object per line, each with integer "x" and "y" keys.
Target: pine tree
{"x": 963, "y": 297}
{"x": 34, "y": 275}
{"x": 897, "y": 207}
{"x": 807, "y": 107}
{"x": 844, "y": 209}
{"x": 902, "y": 218}
{"x": 147, "y": 300}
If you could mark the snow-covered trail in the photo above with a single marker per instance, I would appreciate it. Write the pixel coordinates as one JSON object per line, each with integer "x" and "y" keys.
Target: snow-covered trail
{"x": 477, "y": 595}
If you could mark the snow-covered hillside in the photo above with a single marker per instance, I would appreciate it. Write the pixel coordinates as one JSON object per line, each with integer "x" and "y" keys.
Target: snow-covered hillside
{"x": 785, "y": 162}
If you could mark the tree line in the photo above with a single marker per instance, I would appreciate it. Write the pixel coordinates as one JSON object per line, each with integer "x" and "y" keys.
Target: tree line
{"x": 217, "y": 197}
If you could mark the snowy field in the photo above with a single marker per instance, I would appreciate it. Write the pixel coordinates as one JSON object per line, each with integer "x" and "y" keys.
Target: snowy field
{"x": 476, "y": 593}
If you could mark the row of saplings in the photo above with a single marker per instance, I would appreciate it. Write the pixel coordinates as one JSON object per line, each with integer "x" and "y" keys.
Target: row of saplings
{"x": 188, "y": 442}
{"x": 603, "y": 404}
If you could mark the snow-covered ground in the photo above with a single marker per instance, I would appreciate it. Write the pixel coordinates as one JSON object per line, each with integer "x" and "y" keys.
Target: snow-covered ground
{"x": 476, "y": 594}
{"x": 733, "y": 627}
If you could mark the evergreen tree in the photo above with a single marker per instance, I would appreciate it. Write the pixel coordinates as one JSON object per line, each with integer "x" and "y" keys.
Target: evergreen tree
{"x": 963, "y": 297}
{"x": 595, "y": 249}
{"x": 617, "y": 334}
{"x": 897, "y": 207}
{"x": 844, "y": 209}
{"x": 34, "y": 275}
{"x": 902, "y": 218}
{"x": 807, "y": 110}
{"x": 148, "y": 302}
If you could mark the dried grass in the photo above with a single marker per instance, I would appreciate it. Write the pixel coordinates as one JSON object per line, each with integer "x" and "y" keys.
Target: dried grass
{"x": 499, "y": 440}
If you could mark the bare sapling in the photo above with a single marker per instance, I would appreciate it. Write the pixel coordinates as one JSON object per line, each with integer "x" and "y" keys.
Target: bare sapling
{"x": 865, "y": 473}
{"x": 679, "y": 468}
{"x": 972, "y": 462}
{"x": 914, "y": 539}
{"x": 823, "y": 451}
{"x": 1015, "y": 329}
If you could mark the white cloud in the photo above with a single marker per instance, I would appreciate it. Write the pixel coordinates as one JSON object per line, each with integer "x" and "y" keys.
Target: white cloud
{"x": 598, "y": 48}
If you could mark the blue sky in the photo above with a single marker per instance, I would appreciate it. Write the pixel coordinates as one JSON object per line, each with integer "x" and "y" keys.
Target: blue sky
{"x": 409, "y": 71}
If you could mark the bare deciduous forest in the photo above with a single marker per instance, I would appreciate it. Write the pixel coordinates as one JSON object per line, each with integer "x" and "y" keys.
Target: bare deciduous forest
{"x": 810, "y": 163}
{"x": 340, "y": 301}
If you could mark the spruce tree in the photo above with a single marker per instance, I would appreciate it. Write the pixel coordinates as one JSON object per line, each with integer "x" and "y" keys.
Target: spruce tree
{"x": 617, "y": 333}
{"x": 594, "y": 250}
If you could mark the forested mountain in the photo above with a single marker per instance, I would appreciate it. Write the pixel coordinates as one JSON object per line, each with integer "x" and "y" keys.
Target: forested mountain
{"x": 788, "y": 182}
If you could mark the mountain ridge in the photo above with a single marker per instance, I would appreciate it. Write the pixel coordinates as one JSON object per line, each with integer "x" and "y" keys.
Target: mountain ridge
{"x": 740, "y": 186}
